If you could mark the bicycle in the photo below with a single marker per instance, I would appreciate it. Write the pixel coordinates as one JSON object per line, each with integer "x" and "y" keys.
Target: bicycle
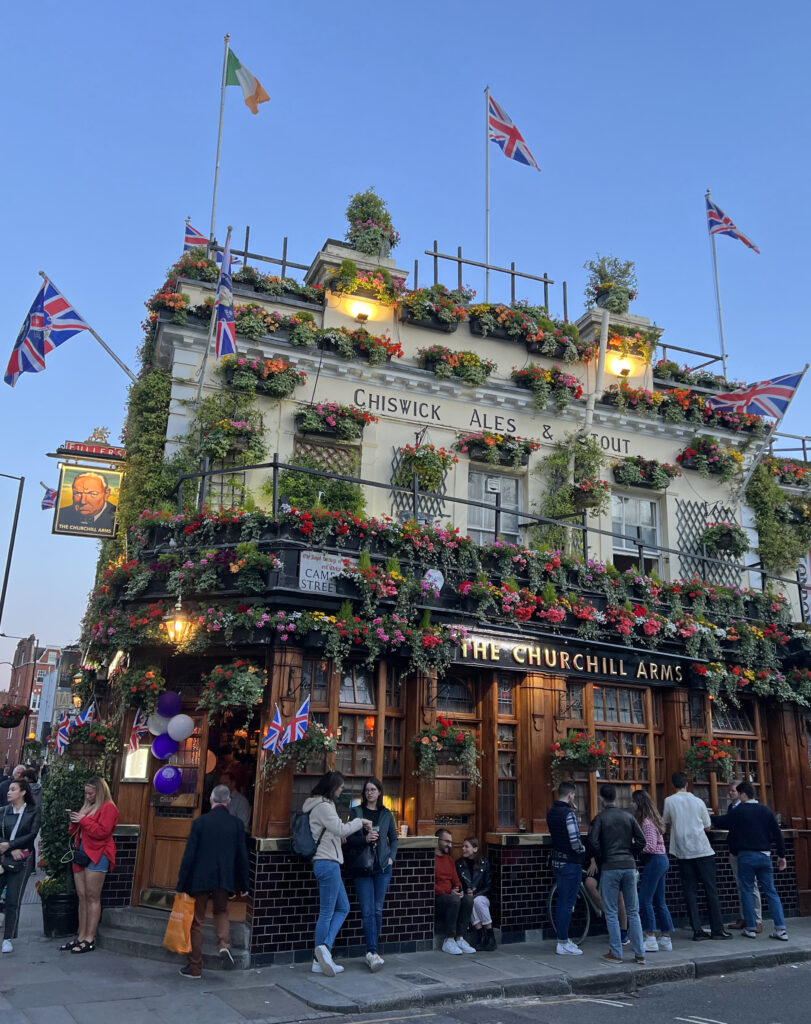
{"x": 584, "y": 907}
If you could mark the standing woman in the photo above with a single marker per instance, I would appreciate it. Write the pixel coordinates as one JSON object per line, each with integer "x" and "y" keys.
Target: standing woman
{"x": 327, "y": 831}
{"x": 474, "y": 874}
{"x": 19, "y": 824}
{"x": 372, "y": 888}
{"x": 92, "y": 829}
{"x": 656, "y": 864}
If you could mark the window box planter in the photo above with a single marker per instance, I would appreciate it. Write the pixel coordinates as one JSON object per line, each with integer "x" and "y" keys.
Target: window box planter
{"x": 537, "y": 347}
{"x": 86, "y": 751}
{"x": 646, "y": 485}
{"x": 689, "y": 462}
{"x": 609, "y": 399}
{"x": 431, "y": 323}
{"x": 314, "y": 640}
{"x": 497, "y": 332}
{"x": 325, "y": 430}
{"x": 478, "y": 453}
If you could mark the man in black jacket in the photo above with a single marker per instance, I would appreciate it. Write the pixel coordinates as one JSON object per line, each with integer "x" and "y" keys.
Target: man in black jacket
{"x": 567, "y": 863}
{"x": 615, "y": 836}
{"x": 215, "y": 863}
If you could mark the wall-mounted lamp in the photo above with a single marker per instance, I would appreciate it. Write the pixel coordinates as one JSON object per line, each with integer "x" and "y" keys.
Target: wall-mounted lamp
{"x": 362, "y": 318}
{"x": 621, "y": 366}
{"x": 361, "y": 311}
{"x": 77, "y": 701}
{"x": 178, "y": 624}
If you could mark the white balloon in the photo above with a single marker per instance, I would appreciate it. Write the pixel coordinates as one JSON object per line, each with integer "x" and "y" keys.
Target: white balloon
{"x": 157, "y": 724}
{"x": 180, "y": 727}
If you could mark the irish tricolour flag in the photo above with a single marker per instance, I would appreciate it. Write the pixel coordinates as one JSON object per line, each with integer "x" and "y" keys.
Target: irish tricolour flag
{"x": 237, "y": 74}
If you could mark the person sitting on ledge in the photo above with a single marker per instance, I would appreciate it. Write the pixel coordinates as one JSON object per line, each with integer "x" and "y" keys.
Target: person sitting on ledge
{"x": 453, "y": 906}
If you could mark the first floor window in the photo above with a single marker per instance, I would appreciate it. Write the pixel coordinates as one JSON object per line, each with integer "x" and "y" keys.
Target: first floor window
{"x": 481, "y": 523}
{"x": 635, "y": 521}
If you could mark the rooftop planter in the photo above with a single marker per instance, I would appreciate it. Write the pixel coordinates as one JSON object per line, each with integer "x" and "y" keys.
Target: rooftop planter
{"x": 278, "y": 287}
{"x": 641, "y": 343}
{"x": 709, "y": 459}
{"x": 790, "y": 472}
{"x": 467, "y": 366}
{"x": 648, "y": 473}
{"x": 496, "y": 449}
{"x": 531, "y": 326}
{"x": 679, "y": 405}
{"x": 332, "y": 419}
{"x": 348, "y": 344}
{"x": 378, "y": 285}
{"x": 370, "y": 229}
{"x": 611, "y": 283}
{"x": 435, "y": 307}
{"x": 548, "y": 385}
{"x": 273, "y": 378}
{"x": 666, "y": 369}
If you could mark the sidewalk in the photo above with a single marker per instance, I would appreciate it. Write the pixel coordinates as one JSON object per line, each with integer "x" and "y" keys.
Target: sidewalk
{"x": 40, "y": 985}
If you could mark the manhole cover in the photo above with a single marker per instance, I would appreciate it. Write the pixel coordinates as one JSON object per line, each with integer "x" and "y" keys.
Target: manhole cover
{"x": 418, "y": 979}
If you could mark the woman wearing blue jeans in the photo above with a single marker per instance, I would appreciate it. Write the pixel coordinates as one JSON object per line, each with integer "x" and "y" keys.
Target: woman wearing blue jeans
{"x": 652, "y": 886}
{"x": 372, "y": 887}
{"x": 328, "y": 830}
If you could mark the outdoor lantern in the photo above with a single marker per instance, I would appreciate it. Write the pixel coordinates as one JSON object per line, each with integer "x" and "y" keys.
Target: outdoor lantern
{"x": 77, "y": 701}
{"x": 178, "y": 624}
{"x": 621, "y": 366}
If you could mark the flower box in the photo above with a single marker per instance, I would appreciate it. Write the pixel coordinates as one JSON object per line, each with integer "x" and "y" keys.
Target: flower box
{"x": 689, "y": 462}
{"x": 86, "y": 751}
{"x": 323, "y": 431}
{"x": 537, "y": 347}
{"x": 478, "y": 453}
{"x": 431, "y": 323}
{"x": 646, "y": 485}
{"x": 314, "y": 640}
{"x": 497, "y": 332}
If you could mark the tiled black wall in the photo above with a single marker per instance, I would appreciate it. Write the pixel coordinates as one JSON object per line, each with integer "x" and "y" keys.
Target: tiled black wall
{"x": 118, "y": 884}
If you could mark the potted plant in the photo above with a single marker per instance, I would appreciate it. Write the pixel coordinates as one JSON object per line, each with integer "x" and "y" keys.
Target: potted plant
{"x": 704, "y": 455}
{"x": 445, "y": 743}
{"x": 635, "y": 471}
{"x": 611, "y": 283}
{"x": 496, "y": 449}
{"x": 547, "y": 385}
{"x": 641, "y": 343}
{"x": 370, "y": 228}
{"x": 467, "y": 366}
{"x": 578, "y": 752}
{"x": 236, "y": 440}
{"x": 705, "y": 756}
{"x": 629, "y": 399}
{"x": 425, "y": 461}
{"x": 94, "y": 740}
{"x": 271, "y": 377}
{"x": 435, "y": 307}
{"x": 12, "y": 714}
{"x": 729, "y": 538}
{"x": 316, "y": 743}
{"x": 591, "y": 494}
{"x": 334, "y": 419}
{"x": 237, "y": 686}
{"x": 378, "y": 284}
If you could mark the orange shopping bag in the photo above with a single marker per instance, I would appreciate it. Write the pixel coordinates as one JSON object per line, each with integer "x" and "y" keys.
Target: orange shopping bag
{"x": 177, "y": 938}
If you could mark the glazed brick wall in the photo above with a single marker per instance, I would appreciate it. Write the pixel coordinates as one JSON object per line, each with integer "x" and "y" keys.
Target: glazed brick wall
{"x": 284, "y": 908}
{"x": 522, "y": 879}
{"x": 117, "y": 891}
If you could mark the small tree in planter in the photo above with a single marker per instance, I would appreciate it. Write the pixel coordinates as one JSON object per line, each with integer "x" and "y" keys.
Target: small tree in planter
{"x": 578, "y": 752}
{"x": 726, "y": 538}
{"x": 429, "y": 463}
{"x": 710, "y": 756}
{"x": 370, "y": 228}
{"x": 611, "y": 283}
{"x": 445, "y": 743}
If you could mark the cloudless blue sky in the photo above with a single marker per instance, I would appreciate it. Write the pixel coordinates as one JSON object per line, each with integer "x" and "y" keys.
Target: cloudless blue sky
{"x": 631, "y": 109}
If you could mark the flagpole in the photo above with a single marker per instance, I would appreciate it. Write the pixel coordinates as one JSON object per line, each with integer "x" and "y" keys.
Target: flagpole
{"x": 718, "y": 298}
{"x": 487, "y": 192}
{"x": 769, "y": 436}
{"x": 106, "y": 347}
{"x": 212, "y": 322}
{"x": 219, "y": 139}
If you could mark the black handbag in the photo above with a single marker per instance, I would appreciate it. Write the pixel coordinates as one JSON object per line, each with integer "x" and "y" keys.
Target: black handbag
{"x": 362, "y": 860}
{"x": 9, "y": 865}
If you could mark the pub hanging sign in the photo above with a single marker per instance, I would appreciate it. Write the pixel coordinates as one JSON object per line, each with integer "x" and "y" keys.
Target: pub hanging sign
{"x": 531, "y": 656}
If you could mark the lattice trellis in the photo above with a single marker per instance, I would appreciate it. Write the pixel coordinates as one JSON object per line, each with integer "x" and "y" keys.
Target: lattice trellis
{"x": 691, "y": 520}
{"x": 430, "y": 506}
{"x": 331, "y": 458}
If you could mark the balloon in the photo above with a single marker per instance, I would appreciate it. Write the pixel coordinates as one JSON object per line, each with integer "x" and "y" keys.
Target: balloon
{"x": 157, "y": 724}
{"x": 169, "y": 704}
{"x": 163, "y": 746}
{"x": 167, "y": 779}
{"x": 180, "y": 727}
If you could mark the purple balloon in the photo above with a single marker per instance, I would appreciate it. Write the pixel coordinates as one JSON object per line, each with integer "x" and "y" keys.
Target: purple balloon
{"x": 170, "y": 704}
{"x": 164, "y": 746}
{"x": 167, "y": 779}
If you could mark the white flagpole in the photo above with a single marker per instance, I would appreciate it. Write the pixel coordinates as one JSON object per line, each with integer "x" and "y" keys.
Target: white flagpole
{"x": 487, "y": 192}
{"x": 718, "y": 299}
{"x": 767, "y": 439}
{"x": 219, "y": 139}
{"x": 212, "y": 322}
{"x": 106, "y": 347}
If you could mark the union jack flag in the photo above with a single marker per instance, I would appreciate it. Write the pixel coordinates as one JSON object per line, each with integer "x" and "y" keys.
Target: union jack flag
{"x": 86, "y": 717}
{"x": 285, "y": 739}
{"x": 51, "y": 321}
{"x": 503, "y": 132}
{"x": 226, "y": 328}
{"x": 63, "y": 730}
{"x": 49, "y": 498}
{"x": 301, "y": 720}
{"x": 719, "y": 224}
{"x": 194, "y": 238}
{"x": 139, "y": 730}
{"x": 768, "y": 398}
{"x": 274, "y": 734}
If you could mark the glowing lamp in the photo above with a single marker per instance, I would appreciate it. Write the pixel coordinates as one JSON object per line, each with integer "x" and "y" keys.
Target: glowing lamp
{"x": 178, "y": 624}
{"x": 361, "y": 311}
{"x": 621, "y": 366}
{"x": 77, "y": 701}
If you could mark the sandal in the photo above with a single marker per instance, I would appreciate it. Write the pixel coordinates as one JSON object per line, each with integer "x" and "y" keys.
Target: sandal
{"x": 84, "y": 947}
{"x": 69, "y": 945}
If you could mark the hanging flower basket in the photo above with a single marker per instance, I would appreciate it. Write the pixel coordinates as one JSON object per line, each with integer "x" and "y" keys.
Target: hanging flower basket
{"x": 317, "y": 742}
{"x": 578, "y": 752}
{"x": 446, "y": 743}
{"x": 237, "y": 686}
{"x": 717, "y": 756}
{"x": 429, "y": 463}
{"x": 726, "y": 537}
{"x": 12, "y": 714}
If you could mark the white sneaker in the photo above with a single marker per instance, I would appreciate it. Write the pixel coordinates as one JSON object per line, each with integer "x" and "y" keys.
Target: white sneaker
{"x": 451, "y": 946}
{"x": 665, "y": 943}
{"x": 574, "y": 949}
{"x": 374, "y": 961}
{"x": 568, "y": 948}
{"x": 465, "y": 946}
{"x": 325, "y": 961}
{"x": 651, "y": 945}
{"x": 7, "y": 947}
{"x": 316, "y": 968}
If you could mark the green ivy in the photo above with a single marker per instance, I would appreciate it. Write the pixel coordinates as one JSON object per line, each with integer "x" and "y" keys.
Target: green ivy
{"x": 782, "y": 545}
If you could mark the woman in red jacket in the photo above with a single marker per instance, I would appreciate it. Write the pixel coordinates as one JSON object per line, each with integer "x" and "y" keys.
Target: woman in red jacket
{"x": 92, "y": 829}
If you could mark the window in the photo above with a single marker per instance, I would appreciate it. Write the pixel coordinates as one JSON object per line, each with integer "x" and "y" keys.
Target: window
{"x": 618, "y": 704}
{"x": 35, "y": 699}
{"x": 52, "y": 656}
{"x": 507, "y": 751}
{"x": 635, "y": 521}
{"x": 730, "y": 720}
{"x": 40, "y": 675}
{"x": 573, "y": 709}
{"x": 481, "y": 522}
{"x": 454, "y": 697}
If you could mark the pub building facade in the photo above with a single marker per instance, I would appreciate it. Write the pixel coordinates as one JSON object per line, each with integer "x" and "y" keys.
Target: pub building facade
{"x": 515, "y": 667}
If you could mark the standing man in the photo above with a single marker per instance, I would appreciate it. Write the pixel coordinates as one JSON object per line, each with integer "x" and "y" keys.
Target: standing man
{"x": 752, "y": 831}
{"x": 238, "y": 806}
{"x": 614, "y": 836}
{"x": 215, "y": 863}
{"x": 15, "y": 776}
{"x": 689, "y": 819}
{"x": 567, "y": 863}
{"x": 734, "y": 801}
{"x": 453, "y": 907}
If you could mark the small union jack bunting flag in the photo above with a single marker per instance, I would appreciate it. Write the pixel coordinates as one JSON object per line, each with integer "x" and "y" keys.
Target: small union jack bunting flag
{"x": 503, "y": 132}
{"x": 51, "y": 321}
{"x": 226, "y": 328}
{"x": 274, "y": 734}
{"x": 768, "y": 398}
{"x": 49, "y": 498}
{"x": 719, "y": 224}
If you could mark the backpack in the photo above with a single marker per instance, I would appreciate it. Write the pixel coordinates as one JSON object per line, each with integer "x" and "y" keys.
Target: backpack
{"x": 303, "y": 843}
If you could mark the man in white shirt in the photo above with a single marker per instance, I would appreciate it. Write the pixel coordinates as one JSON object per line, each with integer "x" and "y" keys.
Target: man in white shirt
{"x": 688, "y": 820}
{"x": 734, "y": 799}
{"x": 238, "y": 806}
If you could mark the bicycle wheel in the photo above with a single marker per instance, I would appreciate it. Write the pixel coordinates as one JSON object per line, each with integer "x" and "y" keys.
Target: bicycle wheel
{"x": 581, "y": 915}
